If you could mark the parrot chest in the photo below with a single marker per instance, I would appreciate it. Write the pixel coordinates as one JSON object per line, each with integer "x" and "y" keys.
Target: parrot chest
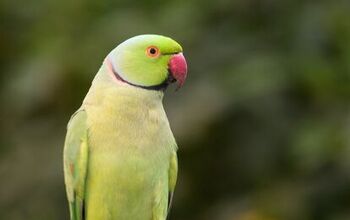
{"x": 129, "y": 156}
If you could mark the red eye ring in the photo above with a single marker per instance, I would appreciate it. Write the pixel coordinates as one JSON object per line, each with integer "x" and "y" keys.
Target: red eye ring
{"x": 152, "y": 51}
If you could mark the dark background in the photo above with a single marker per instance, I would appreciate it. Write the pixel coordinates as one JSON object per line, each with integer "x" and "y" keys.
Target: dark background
{"x": 262, "y": 123}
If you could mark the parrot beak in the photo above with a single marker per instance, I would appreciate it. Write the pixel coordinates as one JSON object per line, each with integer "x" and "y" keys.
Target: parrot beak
{"x": 178, "y": 69}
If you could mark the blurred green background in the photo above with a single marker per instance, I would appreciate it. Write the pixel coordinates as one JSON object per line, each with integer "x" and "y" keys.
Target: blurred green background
{"x": 262, "y": 123}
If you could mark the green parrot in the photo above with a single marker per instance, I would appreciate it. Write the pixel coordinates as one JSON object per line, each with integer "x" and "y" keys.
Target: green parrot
{"x": 120, "y": 159}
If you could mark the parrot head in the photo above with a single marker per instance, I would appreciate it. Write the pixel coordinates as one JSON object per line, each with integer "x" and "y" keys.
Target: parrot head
{"x": 148, "y": 61}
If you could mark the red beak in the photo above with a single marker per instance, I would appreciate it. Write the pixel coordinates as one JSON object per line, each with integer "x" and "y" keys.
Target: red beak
{"x": 178, "y": 68}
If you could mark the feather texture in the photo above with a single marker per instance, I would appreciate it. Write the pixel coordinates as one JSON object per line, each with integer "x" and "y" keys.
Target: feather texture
{"x": 120, "y": 158}
{"x": 131, "y": 158}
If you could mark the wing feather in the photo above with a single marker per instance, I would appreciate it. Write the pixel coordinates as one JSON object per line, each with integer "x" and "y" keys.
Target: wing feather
{"x": 75, "y": 163}
{"x": 172, "y": 178}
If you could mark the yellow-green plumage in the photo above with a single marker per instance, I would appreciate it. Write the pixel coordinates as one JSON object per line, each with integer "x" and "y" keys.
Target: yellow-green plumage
{"x": 120, "y": 155}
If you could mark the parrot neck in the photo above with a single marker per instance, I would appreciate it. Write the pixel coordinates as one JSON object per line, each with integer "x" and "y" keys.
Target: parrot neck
{"x": 106, "y": 86}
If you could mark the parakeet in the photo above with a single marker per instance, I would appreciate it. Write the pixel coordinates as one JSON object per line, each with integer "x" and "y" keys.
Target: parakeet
{"x": 120, "y": 160}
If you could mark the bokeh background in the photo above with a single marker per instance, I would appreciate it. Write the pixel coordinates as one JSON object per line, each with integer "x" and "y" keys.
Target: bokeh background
{"x": 262, "y": 123}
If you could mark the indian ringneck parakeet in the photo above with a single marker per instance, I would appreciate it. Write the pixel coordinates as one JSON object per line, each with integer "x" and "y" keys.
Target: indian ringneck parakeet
{"x": 120, "y": 158}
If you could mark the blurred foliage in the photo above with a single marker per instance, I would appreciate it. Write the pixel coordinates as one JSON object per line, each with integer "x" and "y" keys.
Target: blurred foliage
{"x": 262, "y": 123}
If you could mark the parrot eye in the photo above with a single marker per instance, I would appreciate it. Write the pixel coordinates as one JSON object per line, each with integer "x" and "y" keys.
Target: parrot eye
{"x": 152, "y": 51}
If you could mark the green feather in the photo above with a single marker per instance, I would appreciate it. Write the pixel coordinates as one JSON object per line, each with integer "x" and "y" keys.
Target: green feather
{"x": 75, "y": 163}
{"x": 120, "y": 158}
{"x": 143, "y": 70}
